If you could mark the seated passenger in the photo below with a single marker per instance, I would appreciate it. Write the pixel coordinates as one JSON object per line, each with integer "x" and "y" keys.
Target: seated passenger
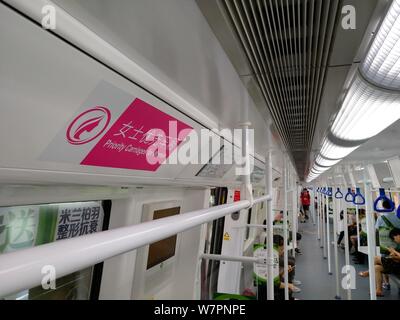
{"x": 386, "y": 265}
{"x": 278, "y": 240}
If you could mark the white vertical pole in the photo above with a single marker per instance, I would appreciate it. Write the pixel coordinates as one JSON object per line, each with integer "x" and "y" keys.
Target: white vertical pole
{"x": 269, "y": 220}
{"x": 324, "y": 213}
{"x": 285, "y": 229}
{"x": 335, "y": 238}
{"x": 369, "y": 213}
{"x": 346, "y": 244}
{"x": 328, "y": 236}
{"x": 312, "y": 205}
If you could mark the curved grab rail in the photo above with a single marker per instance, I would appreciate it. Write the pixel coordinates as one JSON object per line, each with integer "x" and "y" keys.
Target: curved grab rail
{"x": 339, "y": 194}
{"x": 359, "y": 195}
{"x": 349, "y": 194}
{"x": 382, "y": 197}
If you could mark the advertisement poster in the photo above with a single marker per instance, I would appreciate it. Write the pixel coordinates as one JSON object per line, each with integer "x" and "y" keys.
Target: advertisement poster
{"x": 260, "y": 270}
{"x": 23, "y": 227}
{"x": 114, "y": 129}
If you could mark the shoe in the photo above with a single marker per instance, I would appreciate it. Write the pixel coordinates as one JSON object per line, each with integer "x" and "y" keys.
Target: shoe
{"x": 296, "y": 289}
{"x": 296, "y": 282}
{"x": 386, "y": 286}
{"x": 364, "y": 274}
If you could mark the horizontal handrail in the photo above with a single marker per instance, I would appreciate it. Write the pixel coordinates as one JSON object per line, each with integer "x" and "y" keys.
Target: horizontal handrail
{"x": 219, "y": 257}
{"x": 23, "y": 269}
{"x": 262, "y": 199}
{"x": 260, "y": 226}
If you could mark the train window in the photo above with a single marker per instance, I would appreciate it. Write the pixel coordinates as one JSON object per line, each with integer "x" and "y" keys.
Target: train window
{"x": 161, "y": 251}
{"x": 27, "y": 226}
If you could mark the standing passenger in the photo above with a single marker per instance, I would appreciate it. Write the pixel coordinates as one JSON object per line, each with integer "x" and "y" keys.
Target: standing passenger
{"x": 305, "y": 203}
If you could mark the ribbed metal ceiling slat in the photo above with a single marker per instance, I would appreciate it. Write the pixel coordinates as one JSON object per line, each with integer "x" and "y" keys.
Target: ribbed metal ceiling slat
{"x": 288, "y": 43}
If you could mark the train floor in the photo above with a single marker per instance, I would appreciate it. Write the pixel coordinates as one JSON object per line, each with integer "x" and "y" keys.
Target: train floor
{"x": 312, "y": 271}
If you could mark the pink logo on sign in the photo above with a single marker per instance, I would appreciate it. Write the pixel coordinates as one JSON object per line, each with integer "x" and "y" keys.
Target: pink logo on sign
{"x": 134, "y": 135}
{"x": 88, "y": 125}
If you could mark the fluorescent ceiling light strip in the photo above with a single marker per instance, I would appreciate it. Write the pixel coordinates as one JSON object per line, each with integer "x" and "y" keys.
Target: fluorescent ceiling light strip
{"x": 326, "y": 163}
{"x": 382, "y": 63}
{"x": 373, "y": 116}
{"x": 350, "y": 109}
{"x": 346, "y": 115}
{"x": 366, "y": 112}
{"x": 332, "y": 151}
{"x": 320, "y": 169}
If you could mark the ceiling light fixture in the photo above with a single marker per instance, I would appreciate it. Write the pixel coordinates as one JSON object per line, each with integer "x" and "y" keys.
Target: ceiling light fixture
{"x": 372, "y": 103}
{"x": 382, "y": 63}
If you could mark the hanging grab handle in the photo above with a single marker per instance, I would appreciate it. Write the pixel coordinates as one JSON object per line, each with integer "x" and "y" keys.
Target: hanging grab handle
{"x": 338, "y": 194}
{"x": 323, "y": 191}
{"x": 329, "y": 192}
{"x": 382, "y": 197}
{"x": 349, "y": 194}
{"x": 358, "y": 194}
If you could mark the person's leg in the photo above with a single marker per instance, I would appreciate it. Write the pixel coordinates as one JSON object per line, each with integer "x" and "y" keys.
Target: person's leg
{"x": 377, "y": 262}
{"x": 350, "y": 242}
{"x": 292, "y": 263}
{"x": 302, "y": 214}
{"x": 386, "y": 282}
{"x": 261, "y": 292}
{"x": 353, "y": 240}
{"x": 340, "y": 237}
{"x": 378, "y": 279}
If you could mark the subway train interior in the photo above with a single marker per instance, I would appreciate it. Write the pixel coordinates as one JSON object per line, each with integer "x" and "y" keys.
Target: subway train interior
{"x": 199, "y": 150}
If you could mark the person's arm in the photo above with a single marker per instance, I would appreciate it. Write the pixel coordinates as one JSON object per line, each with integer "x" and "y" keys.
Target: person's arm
{"x": 394, "y": 254}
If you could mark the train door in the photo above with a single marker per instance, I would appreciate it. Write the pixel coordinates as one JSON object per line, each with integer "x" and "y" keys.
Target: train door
{"x": 214, "y": 238}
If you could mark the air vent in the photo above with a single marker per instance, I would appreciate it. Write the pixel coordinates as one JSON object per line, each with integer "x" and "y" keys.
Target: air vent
{"x": 287, "y": 43}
